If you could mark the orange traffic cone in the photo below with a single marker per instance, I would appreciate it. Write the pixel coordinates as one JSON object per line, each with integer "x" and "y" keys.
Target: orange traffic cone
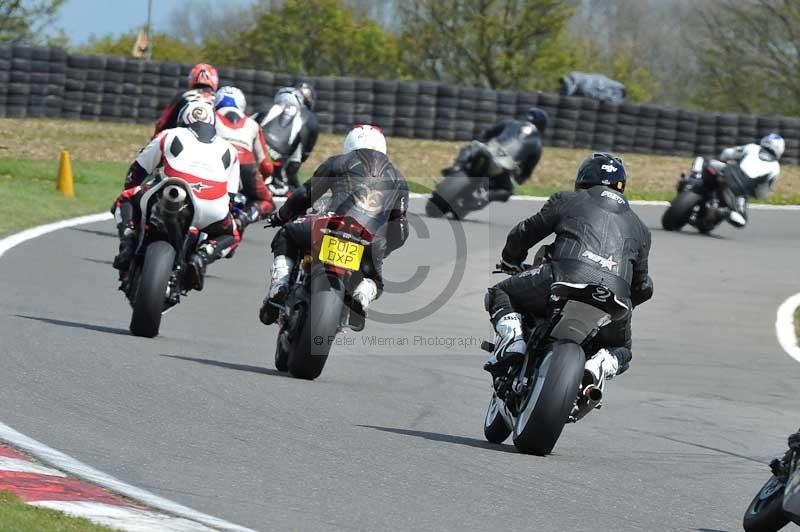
{"x": 65, "y": 185}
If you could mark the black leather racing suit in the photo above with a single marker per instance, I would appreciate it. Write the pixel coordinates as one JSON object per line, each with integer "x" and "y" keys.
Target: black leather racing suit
{"x": 599, "y": 239}
{"x": 364, "y": 185}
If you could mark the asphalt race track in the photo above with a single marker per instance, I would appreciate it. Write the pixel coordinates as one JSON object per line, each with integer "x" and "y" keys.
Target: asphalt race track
{"x": 390, "y": 437}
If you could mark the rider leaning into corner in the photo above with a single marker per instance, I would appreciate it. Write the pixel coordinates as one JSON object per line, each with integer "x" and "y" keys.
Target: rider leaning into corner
{"x": 244, "y": 134}
{"x": 521, "y": 140}
{"x": 203, "y": 82}
{"x": 750, "y": 171}
{"x": 195, "y": 153}
{"x": 600, "y": 240}
{"x": 300, "y": 133}
{"x": 363, "y": 184}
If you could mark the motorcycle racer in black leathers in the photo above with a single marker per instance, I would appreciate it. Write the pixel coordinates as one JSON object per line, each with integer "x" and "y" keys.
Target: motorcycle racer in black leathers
{"x": 363, "y": 184}
{"x": 518, "y": 141}
{"x": 599, "y": 239}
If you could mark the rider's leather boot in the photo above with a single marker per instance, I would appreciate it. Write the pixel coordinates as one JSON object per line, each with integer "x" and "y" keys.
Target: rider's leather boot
{"x": 602, "y": 363}
{"x": 278, "y": 288}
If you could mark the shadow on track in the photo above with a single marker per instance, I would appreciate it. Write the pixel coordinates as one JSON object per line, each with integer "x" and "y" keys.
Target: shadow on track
{"x": 710, "y": 530}
{"x": 78, "y": 325}
{"x": 448, "y": 438}
{"x": 99, "y": 261}
{"x": 109, "y": 234}
{"x": 231, "y": 365}
{"x": 688, "y": 232}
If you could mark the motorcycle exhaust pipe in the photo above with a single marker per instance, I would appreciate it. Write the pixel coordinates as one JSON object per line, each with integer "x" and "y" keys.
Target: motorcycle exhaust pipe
{"x": 593, "y": 394}
{"x": 173, "y": 198}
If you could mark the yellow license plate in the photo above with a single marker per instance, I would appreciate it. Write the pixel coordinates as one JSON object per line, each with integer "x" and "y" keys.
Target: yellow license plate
{"x": 341, "y": 253}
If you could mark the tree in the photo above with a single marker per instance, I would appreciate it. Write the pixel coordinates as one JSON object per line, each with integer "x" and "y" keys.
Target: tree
{"x": 498, "y": 44}
{"x": 312, "y": 37}
{"x": 749, "y": 56}
{"x": 165, "y": 47}
{"x": 23, "y": 21}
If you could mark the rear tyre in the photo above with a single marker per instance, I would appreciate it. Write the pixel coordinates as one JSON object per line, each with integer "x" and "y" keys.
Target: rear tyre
{"x": 551, "y": 400}
{"x": 495, "y": 428}
{"x": 679, "y": 211}
{"x": 282, "y": 351}
{"x": 452, "y": 191}
{"x": 310, "y": 349}
{"x": 149, "y": 299}
{"x": 765, "y": 513}
{"x": 436, "y": 207}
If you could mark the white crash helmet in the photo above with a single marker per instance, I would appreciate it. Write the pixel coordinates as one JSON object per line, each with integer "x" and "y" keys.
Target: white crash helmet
{"x": 774, "y": 144}
{"x": 365, "y": 137}
{"x": 196, "y": 111}
{"x": 230, "y": 97}
{"x": 289, "y": 96}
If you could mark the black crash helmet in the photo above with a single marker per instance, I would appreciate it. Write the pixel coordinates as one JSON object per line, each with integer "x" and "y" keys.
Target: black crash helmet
{"x": 538, "y": 117}
{"x": 601, "y": 169}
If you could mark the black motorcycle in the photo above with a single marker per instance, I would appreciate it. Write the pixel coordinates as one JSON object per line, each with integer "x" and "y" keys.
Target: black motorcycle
{"x": 467, "y": 184}
{"x": 318, "y": 304}
{"x": 159, "y": 274}
{"x": 778, "y": 502}
{"x": 701, "y": 196}
{"x": 535, "y": 399}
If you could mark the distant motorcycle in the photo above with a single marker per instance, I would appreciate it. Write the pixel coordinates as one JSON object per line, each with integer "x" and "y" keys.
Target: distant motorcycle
{"x": 318, "y": 304}
{"x": 533, "y": 400}
{"x": 778, "y": 502}
{"x": 699, "y": 200}
{"x": 464, "y": 190}
{"x": 282, "y": 126}
{"x": 159, "y": 273}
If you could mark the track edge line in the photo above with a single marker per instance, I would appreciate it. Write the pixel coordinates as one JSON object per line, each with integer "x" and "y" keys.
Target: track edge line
{"x": 784, "y": 326}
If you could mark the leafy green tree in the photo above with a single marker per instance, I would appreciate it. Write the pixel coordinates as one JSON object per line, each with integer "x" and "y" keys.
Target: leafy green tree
{"x": 749, "y": 56}
{"x": 501, "y": 44}
{"x": 23, "y": 21}
{"x": 620, "y": 63}
{"x": 312, "y": 37}
{"x": 165, "y": 47}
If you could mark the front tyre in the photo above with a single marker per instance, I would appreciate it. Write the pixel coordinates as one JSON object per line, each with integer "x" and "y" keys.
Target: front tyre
{"x": 495, "y": 428}
{"x": 310, "y": 349}
{"x": 151, "y": 293}
{"x": 680, "y": 210}
{"x": 765, "y": 513}
{"x": 551, "y": 399}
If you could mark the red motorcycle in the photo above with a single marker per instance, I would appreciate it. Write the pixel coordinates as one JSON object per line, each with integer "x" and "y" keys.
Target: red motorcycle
{"x": 319, "y": 303}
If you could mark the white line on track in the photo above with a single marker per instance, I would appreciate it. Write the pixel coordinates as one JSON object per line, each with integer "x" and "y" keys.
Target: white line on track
{"x": 756, "y": 206}
{"x": 29, "y": 234}
{"x": 784, "y": 326}
{"x": 66, "y": 463}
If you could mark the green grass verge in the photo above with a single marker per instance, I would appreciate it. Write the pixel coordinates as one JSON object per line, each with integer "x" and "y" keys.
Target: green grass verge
{"x": 101, "y": 153}
{"x": 797, "y": 324}
{"x": 29, "y": 197}
{"x": 16, "y": 516}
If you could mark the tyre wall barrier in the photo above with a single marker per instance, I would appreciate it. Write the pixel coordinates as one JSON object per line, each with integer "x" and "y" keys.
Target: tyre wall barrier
{"x": 49, "y": 82}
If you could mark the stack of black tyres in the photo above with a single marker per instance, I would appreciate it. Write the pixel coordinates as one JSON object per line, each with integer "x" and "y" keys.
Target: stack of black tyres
{"x": 566, "y": 121}
{"x": 790, "y": 129}
{"x": 486, "y": 114}
{"x": 5, "y": 77}
{"x": 444, "y": 126}
{"x": 549, "y": 103}
{"x": 425, "y": 112}
{"x": 326, "y": 98}
{"x": 363, "y": 103}
{"x": 627, "y": 122}
{"x": 727, "y": 131}
{"x": 605, "y": 126}
{"x": 405, "y": 108}
{"x": 586, "y": 123}
{"x": 666, "y": 131}
{"x": 686, "y": 132}
{"x": 384, "y": 104}
{"x": 465, "y": 113}
{"x": 645, "y": 133}
{"x": 344, "y": 90}
{"x": 705, "y": 141}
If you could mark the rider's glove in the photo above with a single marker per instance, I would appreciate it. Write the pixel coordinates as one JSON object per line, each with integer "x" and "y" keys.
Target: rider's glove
{"x": 274, "y": 220}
